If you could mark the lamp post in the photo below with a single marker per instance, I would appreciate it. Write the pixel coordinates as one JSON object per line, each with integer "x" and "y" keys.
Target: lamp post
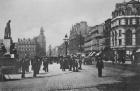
{"x": 66, "y": 44}
{"x": 80, "y": 44}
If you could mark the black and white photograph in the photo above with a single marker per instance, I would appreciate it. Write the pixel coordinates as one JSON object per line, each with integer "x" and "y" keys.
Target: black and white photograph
{"x": 69, "y": 45}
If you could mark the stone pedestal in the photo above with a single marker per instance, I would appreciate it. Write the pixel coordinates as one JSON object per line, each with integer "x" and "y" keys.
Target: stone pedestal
{"x": 7, "y": 43}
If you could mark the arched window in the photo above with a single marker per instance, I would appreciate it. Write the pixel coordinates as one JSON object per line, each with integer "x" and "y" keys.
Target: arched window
{"x": 129, "y": 11}
{"x": 128, "y": 37}
{"x": 138, "y": 37}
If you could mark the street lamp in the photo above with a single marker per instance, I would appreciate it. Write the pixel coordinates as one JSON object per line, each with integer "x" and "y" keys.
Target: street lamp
{"x": 66, "y": 43}
{"x": 80, "y": 44}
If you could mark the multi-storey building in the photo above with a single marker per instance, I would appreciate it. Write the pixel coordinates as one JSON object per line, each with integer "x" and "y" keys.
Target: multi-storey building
{"x": 94, "y": 41}
{"x": 107, "y": 30}
{"x": 1, "y": 44}
{"x": 26, "y": 47}
{"x": 32, "y": 47}
{"x": 76, "y": 38}
{"x": 125, "y": 27}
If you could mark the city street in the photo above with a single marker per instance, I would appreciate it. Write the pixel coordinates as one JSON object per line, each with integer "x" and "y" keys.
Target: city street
{"x": 84, "y": 80}
{"x": 38, "y": 37}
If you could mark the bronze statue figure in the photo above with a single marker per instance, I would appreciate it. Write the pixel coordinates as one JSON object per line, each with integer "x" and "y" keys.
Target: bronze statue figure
{"x": 7, "y": 34}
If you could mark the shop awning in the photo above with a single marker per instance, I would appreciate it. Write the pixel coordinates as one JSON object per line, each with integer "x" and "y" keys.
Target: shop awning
{"x": 98, "y": 53}
{"x": 91, "y": 53}
{"x": 138, "y": 50}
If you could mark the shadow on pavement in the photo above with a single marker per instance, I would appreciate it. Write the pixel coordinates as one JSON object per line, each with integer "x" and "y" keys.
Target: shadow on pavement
{"x": 126, "y": 84}
{"x": 59, "y": 74}
{"x": 107, "y": 76}
{"x": 6, "y": 80}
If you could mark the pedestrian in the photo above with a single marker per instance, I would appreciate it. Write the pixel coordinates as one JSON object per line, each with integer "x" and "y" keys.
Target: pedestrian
{"x": 80, "y": 62}
{"x": 45, "y": 64}
{"x": 76, "y": 64}
{"x": 27, "y": 63}
{"x": 61, "y": 61}
{"x": 100, "y": 66}
{"x": 63, "y": 64}
{"x": 23, "y": 66}
{"x": 38, "y": 64}
{"x": 70, "y": 63}
{"x": 73, "y": 63}
{"x": 34, "y": 66}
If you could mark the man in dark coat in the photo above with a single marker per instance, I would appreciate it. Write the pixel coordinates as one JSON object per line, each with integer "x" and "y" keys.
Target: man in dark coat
{"x": 74, "y": 63}
{"x": 61, "y": 60}
{"x": 80, "y": 62}
{"x": 45, "y": 64}
{"x": 100, "y": 66}
{"x": 63, "y": 64}
{"x": 27, "y": 63}
{"x": 35, "y": 66}
{"x": 70, "y": 63}
{"x": 23, "y": 65}
{"x": 38, "y": 65}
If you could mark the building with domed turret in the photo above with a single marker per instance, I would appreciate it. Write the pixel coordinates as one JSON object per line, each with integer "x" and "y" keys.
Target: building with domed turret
{"x": 125, "y": 28}
{"x": 32, "y": 47}
{"x": 41, "y": 43}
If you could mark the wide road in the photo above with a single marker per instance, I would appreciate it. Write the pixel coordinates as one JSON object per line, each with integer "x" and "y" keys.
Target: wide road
{"x": 58, "y": 80}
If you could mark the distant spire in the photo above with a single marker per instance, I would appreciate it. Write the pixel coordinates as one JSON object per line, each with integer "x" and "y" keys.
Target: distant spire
{"x": 41, "y": 30}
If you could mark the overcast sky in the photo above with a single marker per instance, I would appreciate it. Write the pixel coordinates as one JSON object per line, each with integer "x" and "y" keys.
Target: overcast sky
{"x": 55, "y": 16}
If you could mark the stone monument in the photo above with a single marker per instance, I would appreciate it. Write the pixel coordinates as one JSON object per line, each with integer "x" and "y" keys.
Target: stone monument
{"x": 7, "y": 37}
{"x": 7, "y": 34}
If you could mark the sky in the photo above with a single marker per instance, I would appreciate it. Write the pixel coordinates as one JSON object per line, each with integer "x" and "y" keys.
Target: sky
{"x": 55, "y": 16}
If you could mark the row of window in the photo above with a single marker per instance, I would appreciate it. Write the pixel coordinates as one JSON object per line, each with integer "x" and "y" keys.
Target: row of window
{"x": 126, "y": 21}
{"x": 128, "y": 42}
{"x": 114, "y": 43}
{"x": 26, "y": 45}
{"x": 28, "y": 49}
{"x": 128, "y": 33}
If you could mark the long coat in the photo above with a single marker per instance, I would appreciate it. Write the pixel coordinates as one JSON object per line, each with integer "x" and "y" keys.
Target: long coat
{"x": 100, "y": 64}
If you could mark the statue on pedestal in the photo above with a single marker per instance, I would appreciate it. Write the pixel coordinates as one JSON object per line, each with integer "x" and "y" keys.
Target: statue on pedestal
{"x": 7, "y": 34}
{"x": 7, "y": 38}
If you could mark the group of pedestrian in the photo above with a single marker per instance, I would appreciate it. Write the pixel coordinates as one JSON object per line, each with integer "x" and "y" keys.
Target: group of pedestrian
{"x": 36, "y": 63}
{"x": 73, "y": 63}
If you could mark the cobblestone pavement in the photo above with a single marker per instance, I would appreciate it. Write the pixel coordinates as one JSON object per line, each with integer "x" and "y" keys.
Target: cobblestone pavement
{"x": 57, "y": 80}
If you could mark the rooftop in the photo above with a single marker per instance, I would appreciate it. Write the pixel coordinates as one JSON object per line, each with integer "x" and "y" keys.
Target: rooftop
{"x": 133, "y": 2}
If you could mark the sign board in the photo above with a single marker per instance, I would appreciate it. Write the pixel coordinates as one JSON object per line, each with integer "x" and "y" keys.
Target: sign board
{"x": 7, "y": 43}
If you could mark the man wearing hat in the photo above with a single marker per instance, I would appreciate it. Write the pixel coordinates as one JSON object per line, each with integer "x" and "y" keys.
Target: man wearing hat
{"x": 99, "y": 66}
